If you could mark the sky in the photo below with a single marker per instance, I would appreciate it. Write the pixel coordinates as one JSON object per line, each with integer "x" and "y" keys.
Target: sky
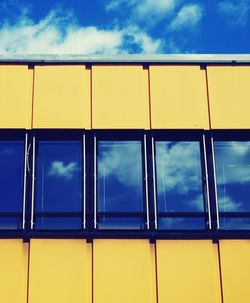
{"x": 124, "y": 26}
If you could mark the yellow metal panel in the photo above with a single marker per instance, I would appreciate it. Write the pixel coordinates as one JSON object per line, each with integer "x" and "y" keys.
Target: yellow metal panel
{"x": 13, "y": 271}
{"x": 61, "y": 97}
{"x": 229, "y": 96}
{"x": 235, "y": 268}
{"x": 178, "y": 97}
{"x": 188, "y": 271}
{"x": 16, "y": 83}
{"x": 60, "y": 271}
{"x": 124, "y": 271}
{"x": 120, "y": 97}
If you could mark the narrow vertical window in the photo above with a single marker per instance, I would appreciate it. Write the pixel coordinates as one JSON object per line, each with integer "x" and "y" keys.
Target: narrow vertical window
{"x": 181, "y": 199}
{"x": 120, "y": 184}
{"x": 59, "y": 183}
{"x": 11, "y": 182}
{"x": 232, "y": 161}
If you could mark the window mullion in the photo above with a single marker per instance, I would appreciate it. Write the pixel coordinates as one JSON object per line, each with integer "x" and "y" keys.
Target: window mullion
{"x": 33, "y": 181}
{"x": 207, "y": 183}
{"x": 26, "y": 155}
{"x": 146, "y": 180}
{"x": 154, "y": 182}
{"x": 215, "y": 184}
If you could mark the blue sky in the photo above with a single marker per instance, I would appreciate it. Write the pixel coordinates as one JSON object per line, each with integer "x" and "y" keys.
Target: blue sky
{"x": 124, "y": 26}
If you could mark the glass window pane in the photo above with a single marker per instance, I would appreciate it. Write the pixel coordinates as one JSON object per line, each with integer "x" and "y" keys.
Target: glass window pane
{"x": 59, "y": 223}
{"x": 233, "y": 175}
{"x": 181, "y": 223}
{"x": 235, "y": 223}
{"x": 120, "y": 177}
{"x": 11, "y": 183}
{"x": 59, "y": 177}
{"x": 179, "y": 179}
{"x": 11, "y": 177}
{"x": 232, "y": 161}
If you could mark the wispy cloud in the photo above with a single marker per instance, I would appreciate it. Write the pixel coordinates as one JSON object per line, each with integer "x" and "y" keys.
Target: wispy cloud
{"x": 187, "y": 17}
{"x": 62, "y": 170}
{"x": 59, "y": 33}
{"x": 151, "y": 10}
{"x": 236, "y": 12}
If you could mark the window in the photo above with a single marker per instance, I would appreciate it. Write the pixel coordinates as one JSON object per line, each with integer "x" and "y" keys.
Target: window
{"x": 181, "y": 192}
{"x": 58, "y": 191}
{"x": 232, "y": 163}
{"x": 120, "y": 187}
{"x": 12, "y": 181}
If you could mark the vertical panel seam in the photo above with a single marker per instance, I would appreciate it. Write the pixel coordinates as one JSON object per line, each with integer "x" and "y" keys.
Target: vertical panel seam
{"x": 156, "y": 275}
{"x": 92, "y": 266}
{"x": 33, "y": 99}
{"x": 91, "y": 97}
{"x": 220, "y": 273}
{"x": 28, "y": 276}
{"x": 208, "y": 99}
{"x": 149, "y": 99}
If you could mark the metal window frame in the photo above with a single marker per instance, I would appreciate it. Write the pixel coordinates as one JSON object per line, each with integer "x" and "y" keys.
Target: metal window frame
{"x": 55, "y": 135}
{"x": 228, "y": 136}
{"x": 183, "y": 136}
{"x": 14, "y": 135}
{"x": 123, "y": 135}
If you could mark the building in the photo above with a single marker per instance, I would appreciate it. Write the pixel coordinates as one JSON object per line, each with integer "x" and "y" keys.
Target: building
{"x": 125, "y": 179}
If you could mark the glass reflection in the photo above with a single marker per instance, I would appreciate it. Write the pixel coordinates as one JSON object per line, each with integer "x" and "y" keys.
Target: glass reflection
{"x": 11, "y": 182}
{"x": 232, "y": 161}
{"x": 179, "y": 183}
{"x": 58, "y": 183}
{"x": 120, "y": 181}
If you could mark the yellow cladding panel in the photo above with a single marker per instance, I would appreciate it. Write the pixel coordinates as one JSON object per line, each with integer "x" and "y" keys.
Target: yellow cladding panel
{"x": 124, "y": 271}
{"x": 235, "y": 268}
{"x": 188, "y": 271}
{"x": 120, "y": 97}
{"x": 178, "y": 97}
{"x": 16, "y": 82}
{"x": 13, "y": 271}
{"x": 61, "y": 97}
{"x": 229, "y": 95}
{"x": 60, "y": 271}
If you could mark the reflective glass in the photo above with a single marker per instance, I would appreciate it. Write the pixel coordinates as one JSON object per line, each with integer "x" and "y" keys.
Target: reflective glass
{"x": 120, "y": 179}
{"x": 181, "y": 223}
{"x": 58, "y": 180}
{"x": 11, "y": 181}
{"x": 179, "y": 180}
{"x": 232, "y": 161}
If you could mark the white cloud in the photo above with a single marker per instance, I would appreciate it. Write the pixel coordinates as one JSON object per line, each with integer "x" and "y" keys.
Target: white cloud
{"x": 122, "y": 161}
{"x": 227, "y": 204}
{"x": 149, "y": 11}
{"x": 178, "y": 167}
{"x": 236, "y": 12}
{"x": 59, "y": 169}
{"x": 187, "y": 17}
{"x": 59, "y": 33}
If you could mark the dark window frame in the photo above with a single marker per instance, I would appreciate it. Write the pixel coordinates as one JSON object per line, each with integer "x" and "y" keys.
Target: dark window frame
{"x": 228, "y": 136}
{"x": 53, "y": 136}
{"x": 122, "y": 135}
{"x": 184, "y": 136}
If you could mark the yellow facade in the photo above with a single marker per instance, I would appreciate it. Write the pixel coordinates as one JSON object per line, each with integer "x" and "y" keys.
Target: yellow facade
{"x": 178, "y": 97}
{"x": 188, "y": 271}
{"x": 124, "y": 271}
{"x": 235, "y": 268}
{"x": 13, "y": 271}
{"x": 16, "y": 87}
{"x": 60, "y": 271}
{"x": 126, "y": 97}
{"x": 120, "y": 97}
{"x": 61, "y": 97}
{"x": 229, "y": 96}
